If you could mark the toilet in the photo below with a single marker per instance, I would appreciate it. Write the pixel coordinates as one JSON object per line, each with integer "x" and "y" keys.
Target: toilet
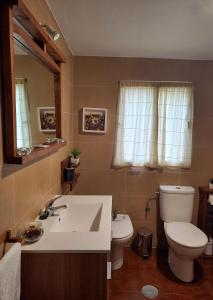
{"x": 122, "y": 231}
{"x": 186, "y": 241}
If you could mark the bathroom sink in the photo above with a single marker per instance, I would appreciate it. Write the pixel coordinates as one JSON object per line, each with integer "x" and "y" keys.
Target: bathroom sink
{"x": 84, "y": 226}
{"x": 78, "y": 218}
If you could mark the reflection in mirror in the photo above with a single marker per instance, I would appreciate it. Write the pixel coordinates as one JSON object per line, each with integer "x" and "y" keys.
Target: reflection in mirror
{"x": 35, "y": 100}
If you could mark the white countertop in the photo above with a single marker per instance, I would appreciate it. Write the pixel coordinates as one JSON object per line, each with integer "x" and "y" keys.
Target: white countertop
{"x": 74, "y": 234}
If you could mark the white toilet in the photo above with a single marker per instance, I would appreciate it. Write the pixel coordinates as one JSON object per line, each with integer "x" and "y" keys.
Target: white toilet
{"x": 186, "y": 241}
{"x": 122, "y": 231}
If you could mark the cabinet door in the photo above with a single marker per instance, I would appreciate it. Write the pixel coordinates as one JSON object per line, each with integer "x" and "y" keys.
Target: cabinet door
{"x": 64, "y": 276}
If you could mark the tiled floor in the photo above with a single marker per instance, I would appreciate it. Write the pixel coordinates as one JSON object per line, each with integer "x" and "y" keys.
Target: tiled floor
{"x": 136, "y": 272}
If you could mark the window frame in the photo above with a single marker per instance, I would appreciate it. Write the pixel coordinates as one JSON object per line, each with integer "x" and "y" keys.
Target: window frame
{"x": 187, "y": 88}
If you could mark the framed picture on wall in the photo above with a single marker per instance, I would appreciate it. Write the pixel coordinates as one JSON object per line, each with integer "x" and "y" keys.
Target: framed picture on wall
{"x": 94, "y": 120}
{"x": 46, "y": 119}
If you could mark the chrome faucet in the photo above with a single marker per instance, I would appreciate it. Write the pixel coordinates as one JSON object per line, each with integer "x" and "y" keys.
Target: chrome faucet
{"x": 50, "y": 209}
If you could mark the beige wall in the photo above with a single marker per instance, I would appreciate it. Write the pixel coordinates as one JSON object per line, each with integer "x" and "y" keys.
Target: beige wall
{"x": 96, "y": 85}
{"x": 40, "y": 89}
{"x": 26, "y": 189}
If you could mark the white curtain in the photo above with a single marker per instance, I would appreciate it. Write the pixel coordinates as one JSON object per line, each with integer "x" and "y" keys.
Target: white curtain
{"x": 175, "y": 118}
{"x": 23, "y": 130}
{"x": 135, "y": 142}
{"x": 154, "y": 125}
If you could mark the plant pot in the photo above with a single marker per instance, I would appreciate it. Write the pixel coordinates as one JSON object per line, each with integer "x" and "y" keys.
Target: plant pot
{"x": 210, "y": 185}
{"x": 74, "y": 161}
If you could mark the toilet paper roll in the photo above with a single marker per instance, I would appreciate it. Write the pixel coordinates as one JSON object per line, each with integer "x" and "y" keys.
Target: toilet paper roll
{"x": 210, "y": 199}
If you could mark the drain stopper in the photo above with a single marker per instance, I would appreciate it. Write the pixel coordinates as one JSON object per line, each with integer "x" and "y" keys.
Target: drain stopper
{"x": 149, "y": 291}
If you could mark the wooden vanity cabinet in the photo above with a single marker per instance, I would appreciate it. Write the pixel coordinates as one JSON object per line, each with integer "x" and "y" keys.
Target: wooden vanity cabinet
{"x": 64, "y": 276}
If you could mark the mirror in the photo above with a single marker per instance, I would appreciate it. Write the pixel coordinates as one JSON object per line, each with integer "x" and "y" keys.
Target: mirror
{"x": 35, "y": 99}
{"x": 31, "y": 86}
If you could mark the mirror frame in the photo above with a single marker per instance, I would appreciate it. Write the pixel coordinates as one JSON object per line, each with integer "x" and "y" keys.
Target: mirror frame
{"x": 35, "y": 40}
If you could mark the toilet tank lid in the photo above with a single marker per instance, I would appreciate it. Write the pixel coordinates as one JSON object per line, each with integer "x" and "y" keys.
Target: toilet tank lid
{"x": 176, "y": 189}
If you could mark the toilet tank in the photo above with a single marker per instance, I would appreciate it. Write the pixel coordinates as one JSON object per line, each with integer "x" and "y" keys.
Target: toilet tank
{"x": 176, "y": 203}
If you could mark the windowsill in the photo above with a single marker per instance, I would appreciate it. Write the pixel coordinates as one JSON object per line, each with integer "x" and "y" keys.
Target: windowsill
{"x": 134, "y": 170}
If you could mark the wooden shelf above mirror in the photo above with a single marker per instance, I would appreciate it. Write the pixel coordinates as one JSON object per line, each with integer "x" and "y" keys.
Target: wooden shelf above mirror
{"x": 24, "y": 16}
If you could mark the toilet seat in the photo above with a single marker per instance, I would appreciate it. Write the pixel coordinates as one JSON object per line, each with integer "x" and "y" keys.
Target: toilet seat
{"x": 122, "y": 227}
{"x": 185, "y": 234}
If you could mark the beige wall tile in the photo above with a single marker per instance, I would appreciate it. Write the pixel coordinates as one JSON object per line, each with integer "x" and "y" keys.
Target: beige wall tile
{"x": 119, "y": 204}
{"x": 202, "y": 131}
{"x": 202, "y": 159}
{"x": 108, "y": 71}
{"x": 98, "y": 182}
{"x": 141, "y": 184}
{"x": 159, "y": 69}
{"x": 66, "y": 98}
{"x": 203, "y": 104}
{"x": 194, "y": 179}
{"x": 99, "y": 71}
{"x": 96, "y": 96}
{"x": 147, "y": 182}
{"x": 67, "y": 129}
{"x": 7, "y": 203}
{"x": 25, "y": 191}
{"x": 41, "y": 177}
{"x": 96, "y": 155}
{"x": 55, "y": 168}
{"x": 168, "y": 178}
{"x": 135, "y": 207}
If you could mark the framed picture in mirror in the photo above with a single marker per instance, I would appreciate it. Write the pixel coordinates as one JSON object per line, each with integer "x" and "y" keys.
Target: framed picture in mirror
{"x": 46, "y": 119}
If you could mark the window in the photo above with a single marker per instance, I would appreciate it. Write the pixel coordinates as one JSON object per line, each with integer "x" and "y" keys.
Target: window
{"x": 154, "y": 124}
{"x": 23, "y": 131}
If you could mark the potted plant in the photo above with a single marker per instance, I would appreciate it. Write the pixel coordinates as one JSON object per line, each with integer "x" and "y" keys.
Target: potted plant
{"x": 75, "y": 157}
{"x": 211, "y": 183}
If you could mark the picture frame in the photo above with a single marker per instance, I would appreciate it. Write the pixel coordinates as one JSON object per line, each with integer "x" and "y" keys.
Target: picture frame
{"x": 94, "y": 120}
{"x": 46, "y": 119}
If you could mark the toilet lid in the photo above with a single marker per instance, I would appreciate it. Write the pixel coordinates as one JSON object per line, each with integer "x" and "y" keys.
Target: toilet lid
{"x": 121, "y": 227}
{"x": 186, "y": 234}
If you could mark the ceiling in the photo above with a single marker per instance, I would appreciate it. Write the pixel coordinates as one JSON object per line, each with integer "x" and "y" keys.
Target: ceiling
{"x": 180, "y": 29}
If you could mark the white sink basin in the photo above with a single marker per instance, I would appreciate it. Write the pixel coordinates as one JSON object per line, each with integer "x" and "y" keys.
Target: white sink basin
{"x": 84, "y": 226}
{"x": 80, "y": 217}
